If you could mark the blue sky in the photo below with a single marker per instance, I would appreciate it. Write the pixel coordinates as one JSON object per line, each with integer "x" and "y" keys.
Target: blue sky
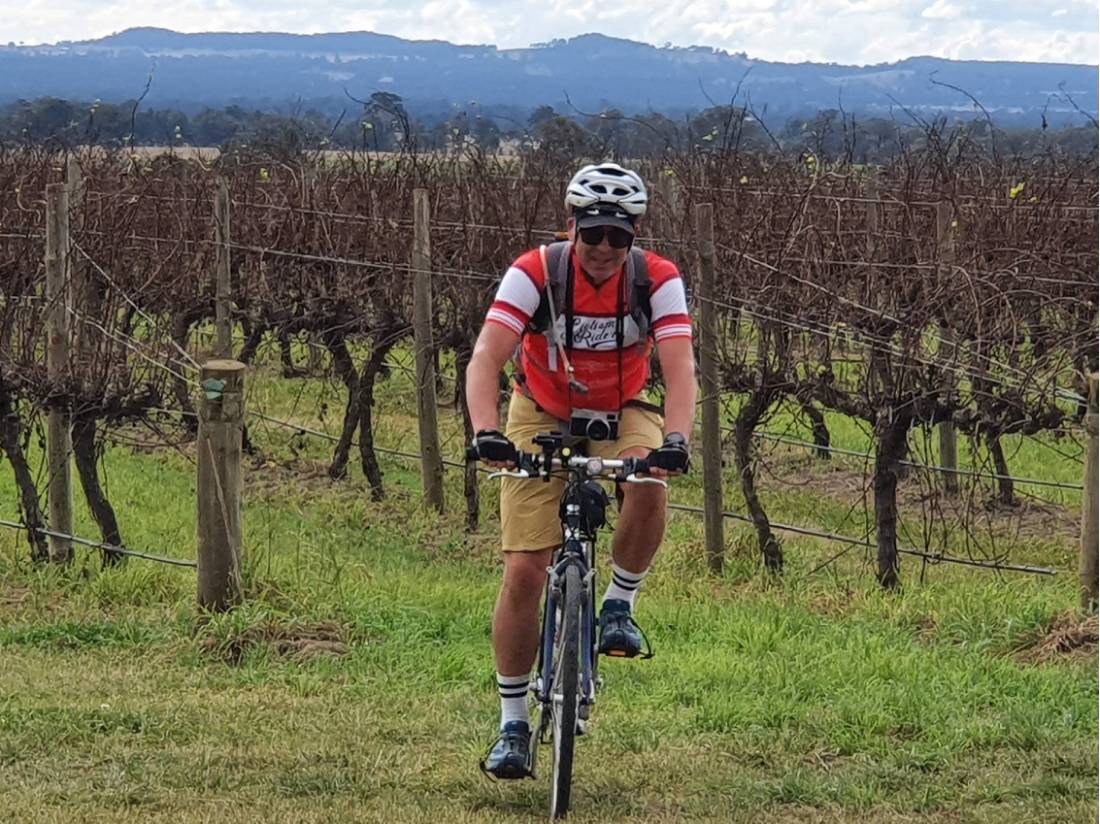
{"x": 842, "y": 31}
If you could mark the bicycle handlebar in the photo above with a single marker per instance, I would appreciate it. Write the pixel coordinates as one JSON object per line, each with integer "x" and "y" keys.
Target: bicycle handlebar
{"x": 529, "y": 465}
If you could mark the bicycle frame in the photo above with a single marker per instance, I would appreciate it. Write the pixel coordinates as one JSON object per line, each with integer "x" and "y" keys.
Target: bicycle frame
{"x": 578, "y": 549}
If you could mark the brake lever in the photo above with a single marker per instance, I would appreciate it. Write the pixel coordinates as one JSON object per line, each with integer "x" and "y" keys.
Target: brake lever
{"x": 510, "y": 473}
{"x": 527, "y": 466}
{"x": 635, "y": 478}
{"x": 636, "y": 472}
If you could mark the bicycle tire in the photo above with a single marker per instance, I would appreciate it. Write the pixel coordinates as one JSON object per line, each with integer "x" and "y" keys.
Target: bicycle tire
{"x": 564, "y": 697}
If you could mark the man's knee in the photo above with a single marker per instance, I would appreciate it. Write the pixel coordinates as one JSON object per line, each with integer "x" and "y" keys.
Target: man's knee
{"x": 649, "y": 498}
{"x": 525, "y": 572}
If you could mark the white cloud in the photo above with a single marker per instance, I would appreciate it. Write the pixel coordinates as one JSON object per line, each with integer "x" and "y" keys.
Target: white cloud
{"x": 942, "y": 10}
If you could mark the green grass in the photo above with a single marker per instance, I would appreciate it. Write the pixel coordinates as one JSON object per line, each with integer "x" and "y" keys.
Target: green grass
{"x": 356, "y": 681}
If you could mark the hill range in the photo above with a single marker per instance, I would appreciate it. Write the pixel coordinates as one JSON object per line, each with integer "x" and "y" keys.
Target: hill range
{"x": 593, "y": 72}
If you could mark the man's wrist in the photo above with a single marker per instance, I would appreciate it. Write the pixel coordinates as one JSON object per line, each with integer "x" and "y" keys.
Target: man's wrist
{"x": 676, "y": 438}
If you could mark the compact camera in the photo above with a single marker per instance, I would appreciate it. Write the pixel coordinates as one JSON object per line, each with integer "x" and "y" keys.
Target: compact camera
{"x": 594, "y": 425}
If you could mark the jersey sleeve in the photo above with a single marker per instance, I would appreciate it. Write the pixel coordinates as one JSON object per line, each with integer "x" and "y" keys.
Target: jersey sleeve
{"x": 668, "y": 301}
{"x": 517, "y": 297}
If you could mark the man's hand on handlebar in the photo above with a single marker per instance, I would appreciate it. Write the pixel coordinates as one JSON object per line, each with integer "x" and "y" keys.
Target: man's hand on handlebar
{"x": 670, "y": 458}
{"x": 491, "y": 447}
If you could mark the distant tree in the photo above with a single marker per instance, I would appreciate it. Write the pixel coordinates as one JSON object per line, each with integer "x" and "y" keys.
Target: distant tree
{"x": 610, "y": 131}
{"x": 386, "y": 124}
{"x": 391, "y": 125}
{"x": 541, "y": 116}
{"x": 213, "y": 127}
{"x": 565, "y": 139}
{"x": 726, "y": 128}
{"x": 486, "y": 133}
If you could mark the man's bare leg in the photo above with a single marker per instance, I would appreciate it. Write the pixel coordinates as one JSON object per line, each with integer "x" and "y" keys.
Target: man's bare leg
{"x": 641, "y": 526}
{"x": 516, "y": 617}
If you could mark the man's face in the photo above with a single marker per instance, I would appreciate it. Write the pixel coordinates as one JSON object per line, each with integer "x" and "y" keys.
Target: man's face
{"x": 602, "y": 260}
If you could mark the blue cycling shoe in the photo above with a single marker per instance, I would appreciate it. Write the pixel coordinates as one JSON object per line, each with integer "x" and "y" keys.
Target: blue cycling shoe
{"x": 620, "y": 635}
{"x": 510, "y": 756}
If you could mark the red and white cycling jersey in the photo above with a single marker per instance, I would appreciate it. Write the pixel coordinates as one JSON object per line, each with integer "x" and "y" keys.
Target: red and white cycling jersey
{"x": 594, "y": 355}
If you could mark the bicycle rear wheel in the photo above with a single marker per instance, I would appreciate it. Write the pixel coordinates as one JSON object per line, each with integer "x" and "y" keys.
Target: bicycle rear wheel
{"x": 564, "y": 693}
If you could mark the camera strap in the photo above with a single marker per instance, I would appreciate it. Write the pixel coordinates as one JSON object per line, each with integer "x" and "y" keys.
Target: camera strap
{"x": 620, "y": 336}
{"x": 556, "y": 348}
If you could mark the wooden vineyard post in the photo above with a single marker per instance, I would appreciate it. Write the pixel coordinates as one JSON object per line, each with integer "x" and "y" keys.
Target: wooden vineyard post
{"x": 1090, "y": 512}
{"x": 714, "y": 526}
{"x": 222, "y": 290}
{"x": 949, "y": 453}
{"x": 221, "y": 429}
{"x": 59, "y": 446}
{"x": 431, "y": 460}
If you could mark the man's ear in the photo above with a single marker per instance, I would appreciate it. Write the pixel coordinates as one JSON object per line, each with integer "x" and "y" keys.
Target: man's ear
{"x": 571, "y": 228}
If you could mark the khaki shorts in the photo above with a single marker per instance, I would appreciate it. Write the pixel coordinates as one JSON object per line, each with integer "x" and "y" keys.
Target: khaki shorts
{"x": 529, "y": 509}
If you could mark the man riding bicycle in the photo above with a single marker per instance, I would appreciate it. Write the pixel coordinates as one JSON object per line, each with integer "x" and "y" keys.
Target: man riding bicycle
{"x": 585, "y": 314}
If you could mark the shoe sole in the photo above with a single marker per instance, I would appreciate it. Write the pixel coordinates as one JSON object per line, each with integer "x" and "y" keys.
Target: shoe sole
{"x": 619, "y": 652}
{"x": 508, "y": 772}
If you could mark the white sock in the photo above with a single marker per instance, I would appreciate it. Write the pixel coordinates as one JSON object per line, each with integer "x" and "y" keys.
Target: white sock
{"x": 513, "y": 698}
{"x": 624, "y": 584}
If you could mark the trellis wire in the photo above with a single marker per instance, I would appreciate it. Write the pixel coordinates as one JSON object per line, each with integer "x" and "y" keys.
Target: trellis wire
{"x": 117, "y": 550}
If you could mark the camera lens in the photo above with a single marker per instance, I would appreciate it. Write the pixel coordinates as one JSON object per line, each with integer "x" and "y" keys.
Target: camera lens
{"x": 598, "y": 430}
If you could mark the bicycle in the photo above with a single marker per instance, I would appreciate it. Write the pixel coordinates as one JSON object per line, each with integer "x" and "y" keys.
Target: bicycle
{"x": 567, "y": 681}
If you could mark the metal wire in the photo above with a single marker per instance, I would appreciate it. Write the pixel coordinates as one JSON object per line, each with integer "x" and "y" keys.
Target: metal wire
{"x": 933, "y": 557}
{"x": 772, "y": 436}
{"x": 118, "y": 550}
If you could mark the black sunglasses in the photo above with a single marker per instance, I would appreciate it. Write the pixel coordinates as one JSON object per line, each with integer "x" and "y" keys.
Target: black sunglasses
{"x": 618, "y": 238}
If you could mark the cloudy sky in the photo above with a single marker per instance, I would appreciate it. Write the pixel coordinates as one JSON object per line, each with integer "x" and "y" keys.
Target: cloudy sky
{"x": 842, "y": 31}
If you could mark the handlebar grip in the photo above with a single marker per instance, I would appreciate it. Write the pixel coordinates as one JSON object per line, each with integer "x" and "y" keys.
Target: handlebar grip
{"x": 523, "y": 459}
{"x": 641, "y": 467}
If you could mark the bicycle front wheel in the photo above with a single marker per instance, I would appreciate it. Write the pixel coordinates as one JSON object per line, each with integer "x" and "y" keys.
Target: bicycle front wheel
{"x": 564, "y": 693}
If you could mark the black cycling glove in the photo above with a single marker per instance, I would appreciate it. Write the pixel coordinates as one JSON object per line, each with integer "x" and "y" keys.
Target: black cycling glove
{"x": 672, "y": 455}
{"x": 491, "y": 445}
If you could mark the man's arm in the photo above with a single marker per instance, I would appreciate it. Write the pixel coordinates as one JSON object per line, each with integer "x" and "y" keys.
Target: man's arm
{"x": 678, "y": 369}
{"x": 494, "y": 347}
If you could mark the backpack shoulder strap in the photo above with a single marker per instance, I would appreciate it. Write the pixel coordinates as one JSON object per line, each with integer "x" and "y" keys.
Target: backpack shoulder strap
{"x": 639, "y": 307}
{"x": 557, "y": 274}
{"x": 555, "y": 261}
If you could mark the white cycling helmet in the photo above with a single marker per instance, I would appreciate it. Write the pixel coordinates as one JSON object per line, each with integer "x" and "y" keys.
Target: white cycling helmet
{"x": 609, "y": 190}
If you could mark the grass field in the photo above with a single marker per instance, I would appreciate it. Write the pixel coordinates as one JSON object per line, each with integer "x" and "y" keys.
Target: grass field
{"x": 355, "y": 684}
